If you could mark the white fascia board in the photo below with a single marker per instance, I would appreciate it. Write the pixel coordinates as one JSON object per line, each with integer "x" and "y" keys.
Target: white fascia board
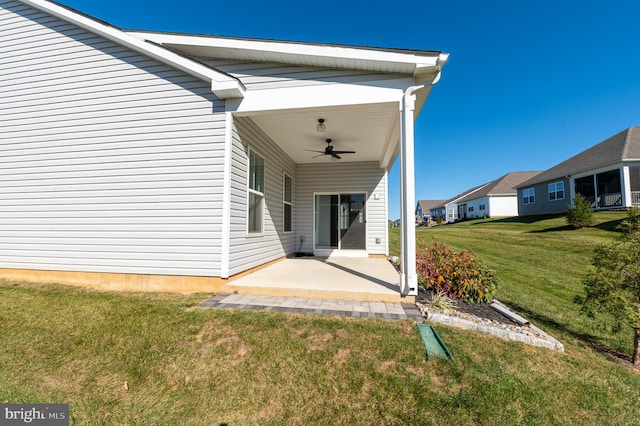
{"x": 330, "y": 95}
{"x": 223, "y": 85}
{"x": 427, "y": 61}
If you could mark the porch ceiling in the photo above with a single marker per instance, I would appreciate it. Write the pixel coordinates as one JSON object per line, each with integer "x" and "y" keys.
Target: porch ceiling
{"x": 371, "y": 130}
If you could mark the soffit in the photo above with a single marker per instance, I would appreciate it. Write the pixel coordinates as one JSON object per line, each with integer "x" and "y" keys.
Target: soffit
{"x": 370, "y": 130}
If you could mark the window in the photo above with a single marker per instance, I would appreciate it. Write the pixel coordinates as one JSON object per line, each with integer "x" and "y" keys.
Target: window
{"x": 556, "y": 191}
{"x": 482, "y": 207}
{"x": 528, "y": 196}
{"x": 256, "y": 193}
{"x": 287, "y": 201}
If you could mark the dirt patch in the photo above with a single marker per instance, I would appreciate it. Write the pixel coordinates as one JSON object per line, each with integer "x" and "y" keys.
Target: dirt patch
{"x": 319, "y": 342}
{"x": 480, "y": 310}
{"x": 342, "y": 356}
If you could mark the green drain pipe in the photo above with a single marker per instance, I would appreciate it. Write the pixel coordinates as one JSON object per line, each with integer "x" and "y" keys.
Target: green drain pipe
{"x": 433, "y": 343}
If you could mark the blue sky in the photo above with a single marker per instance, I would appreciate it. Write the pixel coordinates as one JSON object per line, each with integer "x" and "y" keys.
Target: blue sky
{"x": 527, "y": 85}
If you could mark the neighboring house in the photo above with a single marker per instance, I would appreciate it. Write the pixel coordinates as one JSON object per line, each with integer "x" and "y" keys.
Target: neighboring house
{"x": 423, "y": 210}
{"x": 498, "y": 198}
{"x": 607, "y": 174}
{"x": 448, "y": 211}
{"x": 146, "y": 160}
{"x": 394, "y": 223}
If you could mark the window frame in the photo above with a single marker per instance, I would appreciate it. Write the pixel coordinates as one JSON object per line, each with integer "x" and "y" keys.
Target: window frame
{"x": 555, "y": 191}
{"x": 529, "y": 196}
{"x": 286, "y": 203}
{"x": 255, "y": 193}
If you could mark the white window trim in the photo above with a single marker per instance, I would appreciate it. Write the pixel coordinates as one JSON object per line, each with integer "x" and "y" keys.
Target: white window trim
{"x": 253, "y": 191}
{"x": 555, "y": 191}
{"x": 525, "y": 200}
{"x": 284, "y": 201}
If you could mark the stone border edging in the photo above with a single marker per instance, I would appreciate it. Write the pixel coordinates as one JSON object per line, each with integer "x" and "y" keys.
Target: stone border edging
{"x": 546, "y": 341}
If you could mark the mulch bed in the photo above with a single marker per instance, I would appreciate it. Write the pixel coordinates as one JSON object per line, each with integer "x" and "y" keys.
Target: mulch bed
{"x": 480, "y": 310}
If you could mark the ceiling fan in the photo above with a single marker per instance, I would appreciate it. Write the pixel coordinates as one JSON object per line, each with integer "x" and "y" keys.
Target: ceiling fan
{"x": 329, "y": 151}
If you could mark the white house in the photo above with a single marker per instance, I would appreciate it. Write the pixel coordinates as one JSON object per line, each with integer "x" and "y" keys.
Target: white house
{"x": 498, "y": 198}
{"x": 159, "y": 161}
{"x": 448, "y": 210}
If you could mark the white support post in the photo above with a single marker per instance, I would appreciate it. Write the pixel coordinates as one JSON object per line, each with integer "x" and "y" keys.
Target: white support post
{"x": 572, "y": 190}
{"x": 625, "y": 182}
{"x": 408, "y": 276}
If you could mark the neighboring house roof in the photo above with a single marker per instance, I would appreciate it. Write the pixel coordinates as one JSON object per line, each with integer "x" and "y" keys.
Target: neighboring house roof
{"x": 222, "y": 84}
{"x": 504, "y": 185}
{"x": 621, "y": 147}
{"x": 457, "y": 197}
{"x": 427, "y": 205}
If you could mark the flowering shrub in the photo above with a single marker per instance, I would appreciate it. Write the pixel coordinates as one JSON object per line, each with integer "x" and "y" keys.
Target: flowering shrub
{"x": 461, "y": 275}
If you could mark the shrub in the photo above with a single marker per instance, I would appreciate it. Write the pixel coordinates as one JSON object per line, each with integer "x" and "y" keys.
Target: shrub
{"x": 440, "y": 300}
{"x": 580, "y": 214}
{"x": 631, "y": 224}
{"x": 460, "y": 275}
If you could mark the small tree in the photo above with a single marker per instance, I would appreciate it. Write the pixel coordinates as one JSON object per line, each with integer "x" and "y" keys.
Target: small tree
{"x": 580, "y": 214}
{"x": 632, "y": 222}
{"x": 612, "y": 287}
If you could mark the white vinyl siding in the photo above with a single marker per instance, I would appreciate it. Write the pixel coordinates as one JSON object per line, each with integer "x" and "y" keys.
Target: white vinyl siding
{"x": 109, "y": 161}
{"x": 245, "y": 250}
{"x": 345, "y": 178}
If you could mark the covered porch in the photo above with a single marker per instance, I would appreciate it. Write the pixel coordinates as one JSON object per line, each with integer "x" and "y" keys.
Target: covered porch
{"x": 612, "y": 188}
{"x": 370, "y": 279}
{"x": 311, "y": 135}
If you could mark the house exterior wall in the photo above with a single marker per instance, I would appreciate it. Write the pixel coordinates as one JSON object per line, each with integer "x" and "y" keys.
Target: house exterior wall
{"x": 502, "y": 206}
{"x": 343, "y": 177}
{"x": 452, "y": 212}
{"x": 110, "y": 161}
{"x": 542, "y": 204}
{"x": 438, "y": 212}
{"x": 247, "y": 250}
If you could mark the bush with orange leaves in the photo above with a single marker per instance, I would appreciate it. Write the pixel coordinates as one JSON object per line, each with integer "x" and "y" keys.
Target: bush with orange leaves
{"x": 461, "y": 275}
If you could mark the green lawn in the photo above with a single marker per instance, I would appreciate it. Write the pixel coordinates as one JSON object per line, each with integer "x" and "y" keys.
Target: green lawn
{"x": 190, "y": 366}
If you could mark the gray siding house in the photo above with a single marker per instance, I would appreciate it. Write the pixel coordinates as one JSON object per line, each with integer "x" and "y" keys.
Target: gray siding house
{"x": 607, "y": 175}
{"x": 152, "y": 161}
{"x": 423, "y": 209}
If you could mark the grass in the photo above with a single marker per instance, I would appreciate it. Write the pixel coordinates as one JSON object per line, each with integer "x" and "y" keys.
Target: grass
{"x": 190, "y": 366}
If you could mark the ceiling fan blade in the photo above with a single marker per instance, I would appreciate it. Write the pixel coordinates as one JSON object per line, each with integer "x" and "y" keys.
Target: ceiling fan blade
{"x": 319, "y": 155}
{"x": 334, "y": 155}
{"x": 344, "y": 152}
{"x": 311, "y": 150}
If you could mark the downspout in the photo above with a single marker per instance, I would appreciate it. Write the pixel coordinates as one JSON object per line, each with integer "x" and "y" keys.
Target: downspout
{"x": 225, "y": 256}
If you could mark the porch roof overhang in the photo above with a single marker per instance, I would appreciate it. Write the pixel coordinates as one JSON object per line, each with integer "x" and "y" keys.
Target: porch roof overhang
{"x": 364, "y": 118}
